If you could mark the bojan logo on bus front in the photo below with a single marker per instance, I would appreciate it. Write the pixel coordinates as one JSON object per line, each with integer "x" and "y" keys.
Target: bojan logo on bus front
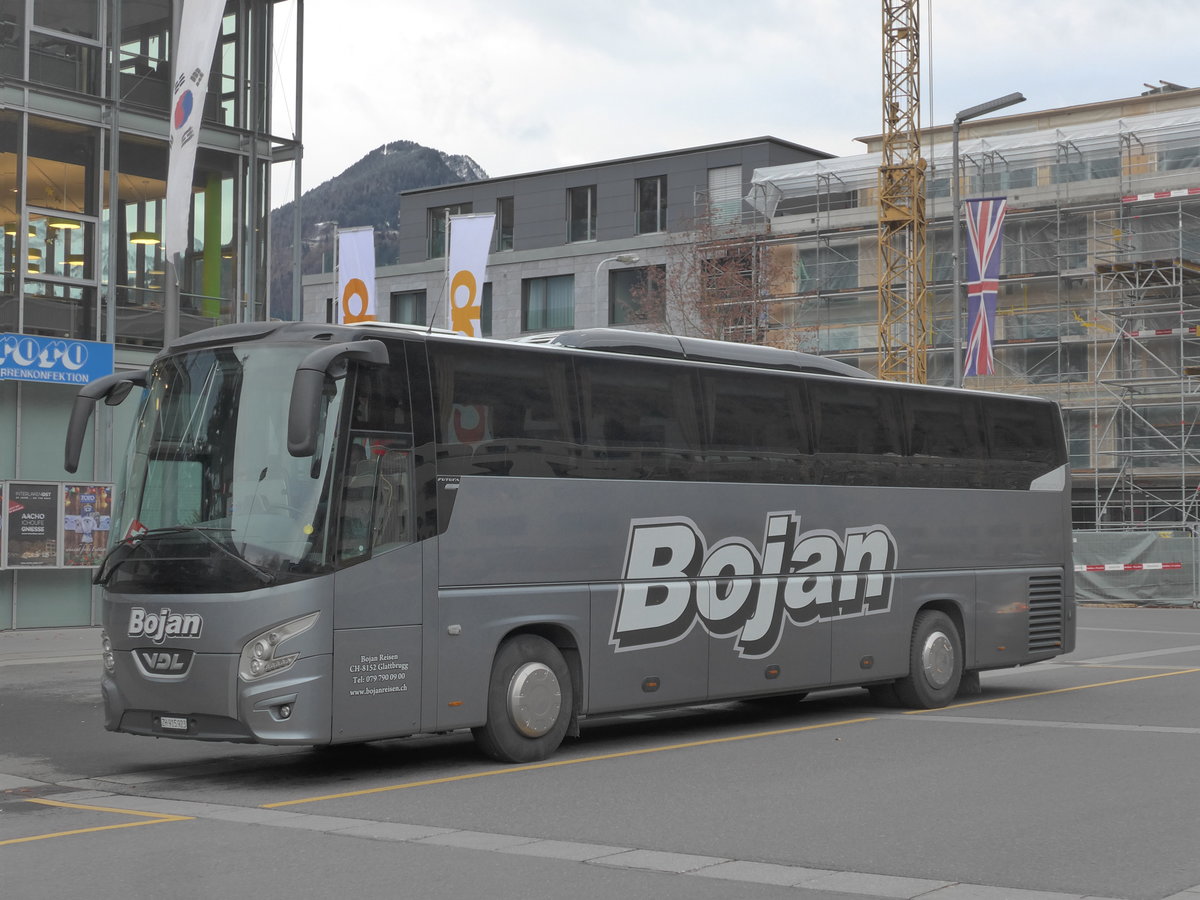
{"x": 674, "y": 579}
{"x": 158, "y": 626}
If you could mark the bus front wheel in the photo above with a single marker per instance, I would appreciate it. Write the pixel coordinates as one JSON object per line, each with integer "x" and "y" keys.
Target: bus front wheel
{"x": 935, "y": 662}
{"x": 530, "y": 701}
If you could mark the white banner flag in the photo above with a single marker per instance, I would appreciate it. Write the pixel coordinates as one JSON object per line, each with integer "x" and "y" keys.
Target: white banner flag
{"x": 470, "y": 238}
{"x": 198, "y": 28}
{"x": 356, "y": 275}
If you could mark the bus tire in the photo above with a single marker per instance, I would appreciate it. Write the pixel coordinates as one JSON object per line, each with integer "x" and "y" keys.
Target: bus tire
{"x": 935, "y": 662}
{"x": 530, "y": 700}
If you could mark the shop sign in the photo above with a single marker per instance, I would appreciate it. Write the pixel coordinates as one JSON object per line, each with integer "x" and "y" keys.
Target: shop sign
{"x": 28, "y": 357}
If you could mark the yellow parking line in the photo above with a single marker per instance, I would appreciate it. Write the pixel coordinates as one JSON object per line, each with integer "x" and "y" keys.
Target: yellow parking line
{"x": 148, "y": 819}
{"x": 567, "y": 762}
{"x": 691, "y": 744}
{"x": 1080, "y": 687}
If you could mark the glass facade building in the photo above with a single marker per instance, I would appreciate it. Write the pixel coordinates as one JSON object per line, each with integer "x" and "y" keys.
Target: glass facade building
{"x": 85, "y": 95}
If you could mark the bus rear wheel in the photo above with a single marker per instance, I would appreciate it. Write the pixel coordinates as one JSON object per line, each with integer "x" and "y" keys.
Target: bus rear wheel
{"x": 530, "y": 701}
{"x": 935, "y": 662}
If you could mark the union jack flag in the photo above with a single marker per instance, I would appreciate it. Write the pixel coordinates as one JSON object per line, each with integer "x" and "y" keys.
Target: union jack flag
{"x": 985, "y": 219}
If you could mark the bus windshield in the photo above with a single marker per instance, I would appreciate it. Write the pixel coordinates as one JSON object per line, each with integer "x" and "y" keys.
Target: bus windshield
{"x": 211, "y": 498}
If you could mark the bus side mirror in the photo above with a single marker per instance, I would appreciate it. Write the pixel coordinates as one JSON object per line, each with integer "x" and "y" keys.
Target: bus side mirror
{"x": 309, "y": 382}
{"x": 112, "y": 389}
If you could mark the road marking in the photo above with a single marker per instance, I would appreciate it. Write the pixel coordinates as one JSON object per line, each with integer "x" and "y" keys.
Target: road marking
{"x": 148, "y": 819}
{"x": 1142, "y": 654}
{"x": 850, "y": 884}
{"x": 692, "y": 744}
{"x": 1083, "y": 726}
{"x": 1136, "y": 630}
{"x": 551, "y": 764}
{"x": 1066, "y": 690}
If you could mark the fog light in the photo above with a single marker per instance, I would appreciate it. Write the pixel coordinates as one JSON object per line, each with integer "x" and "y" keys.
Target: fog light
{"x": 285, "y": 711}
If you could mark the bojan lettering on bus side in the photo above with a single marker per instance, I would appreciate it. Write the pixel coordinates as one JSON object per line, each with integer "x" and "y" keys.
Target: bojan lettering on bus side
{"x": 673, "y": 579}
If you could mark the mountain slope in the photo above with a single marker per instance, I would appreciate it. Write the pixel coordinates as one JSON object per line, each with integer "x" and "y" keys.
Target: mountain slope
{"x": 367, "y": 193}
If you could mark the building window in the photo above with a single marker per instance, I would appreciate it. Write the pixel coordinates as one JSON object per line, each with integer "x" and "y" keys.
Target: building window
{"x": 438, "y": 216}
{"x": 652, "y": 204}
{"x": 408, "y": 307}
{"x": 548, "y": 304}
{"x": 637, "y": 295}
{"x": 1178, "y": 158}
{"x": 64, "y": 45}
{"x": 581, "y": 214}
{"x": 145, "y": 69}
{"x": 12, "y": 40}
{"x": 504, "y": 223}
{"x": 725, "y": 195}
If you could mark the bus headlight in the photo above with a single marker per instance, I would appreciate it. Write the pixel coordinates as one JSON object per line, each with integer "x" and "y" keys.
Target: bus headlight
{"x": 106, "y": 652}
{"x": 262, "y": 655}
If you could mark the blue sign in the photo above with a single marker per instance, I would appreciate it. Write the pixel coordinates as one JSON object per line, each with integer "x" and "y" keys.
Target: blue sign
{"x": 27, "y": 357}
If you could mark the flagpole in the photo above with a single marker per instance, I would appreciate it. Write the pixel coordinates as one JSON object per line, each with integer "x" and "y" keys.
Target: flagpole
{"x": 446, "y": 295}
{"x": 955, "y": 252}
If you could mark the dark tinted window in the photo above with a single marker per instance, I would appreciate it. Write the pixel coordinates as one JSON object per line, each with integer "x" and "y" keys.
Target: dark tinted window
{"x": 1022, "y": 431}
{"x": 857, "y": 433}
{"x": 640, "y": 420}
{"x": 747, "y": 411}
{"x": 500, "y": 411}
{"x": 853, "y": 418}
{"x": 757, "y": 428}
{"x": 944, "y": 425}
{"x": 1023, "y": 439}
{"x": 381, "y": 396}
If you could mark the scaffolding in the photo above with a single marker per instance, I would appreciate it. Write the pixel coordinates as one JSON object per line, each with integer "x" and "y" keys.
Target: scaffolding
{"x": 1099, "y": 304}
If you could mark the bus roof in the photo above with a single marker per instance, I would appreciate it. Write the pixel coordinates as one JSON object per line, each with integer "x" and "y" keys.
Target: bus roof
{"x": 602, "y": 340}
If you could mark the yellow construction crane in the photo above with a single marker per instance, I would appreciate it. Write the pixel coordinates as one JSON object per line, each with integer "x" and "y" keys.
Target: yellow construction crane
{"x": 903, "y": 298}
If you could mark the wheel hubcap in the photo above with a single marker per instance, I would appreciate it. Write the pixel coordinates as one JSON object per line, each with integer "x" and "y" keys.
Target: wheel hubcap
{"x": 937, "y": 659}
{"x": 534, "y": 699}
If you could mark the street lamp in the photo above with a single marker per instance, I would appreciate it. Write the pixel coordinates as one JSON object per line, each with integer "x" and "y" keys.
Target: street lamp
{"x": 969, "y": 113}
{"x": 624, "y": 259}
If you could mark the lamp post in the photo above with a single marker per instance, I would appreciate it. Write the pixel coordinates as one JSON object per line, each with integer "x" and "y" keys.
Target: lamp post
{"x": 969, "y": 113}
{"x": 625, "y": 259}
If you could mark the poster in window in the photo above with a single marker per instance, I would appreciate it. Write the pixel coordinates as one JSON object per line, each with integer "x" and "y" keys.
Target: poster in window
{"x": 32, "y": 527}
{"x": 87, "y": 523}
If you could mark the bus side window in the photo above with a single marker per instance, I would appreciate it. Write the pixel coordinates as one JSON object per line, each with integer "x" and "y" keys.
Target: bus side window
{"x": 1023, "y": 441}
{"x": 501, "y": 414}
{"x": 946, "y": 442}
{"x": 641, "y": 421}
{"x": 756, "y": 428}
{"x": 857, "y": 433}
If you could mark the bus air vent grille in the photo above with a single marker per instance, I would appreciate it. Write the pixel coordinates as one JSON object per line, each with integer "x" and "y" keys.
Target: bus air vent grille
{"x": 1045, "y": 612}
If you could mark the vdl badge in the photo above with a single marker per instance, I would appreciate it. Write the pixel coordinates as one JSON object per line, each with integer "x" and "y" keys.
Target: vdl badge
{"x": 163, "y": 662}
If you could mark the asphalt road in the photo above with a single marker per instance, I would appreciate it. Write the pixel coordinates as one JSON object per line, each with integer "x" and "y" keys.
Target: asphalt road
{"x": 1069, "y": 779}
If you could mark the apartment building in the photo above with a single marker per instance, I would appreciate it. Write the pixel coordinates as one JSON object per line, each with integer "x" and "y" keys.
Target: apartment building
{"x": 573, "y": 247}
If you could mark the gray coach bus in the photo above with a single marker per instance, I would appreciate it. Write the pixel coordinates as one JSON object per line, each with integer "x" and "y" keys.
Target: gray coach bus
{"x": 336, "y": 534}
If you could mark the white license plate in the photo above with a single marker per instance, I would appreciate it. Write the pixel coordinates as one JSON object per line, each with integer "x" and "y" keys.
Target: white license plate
{"x": 178, "y": 723}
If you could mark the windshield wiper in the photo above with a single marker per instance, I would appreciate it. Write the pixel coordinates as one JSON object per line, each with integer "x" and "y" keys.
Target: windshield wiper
{"x": 121, "y": 553}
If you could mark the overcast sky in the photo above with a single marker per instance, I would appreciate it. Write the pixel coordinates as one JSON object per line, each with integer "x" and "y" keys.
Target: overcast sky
{"x": 525, "y": 85}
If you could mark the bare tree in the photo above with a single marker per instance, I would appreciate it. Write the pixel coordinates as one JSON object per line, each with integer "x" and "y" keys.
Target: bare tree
{"x": 719, "y": 282}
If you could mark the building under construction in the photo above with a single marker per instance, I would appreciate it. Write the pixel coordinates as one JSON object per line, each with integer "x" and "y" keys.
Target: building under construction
{"x": 1099, "y": 304}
